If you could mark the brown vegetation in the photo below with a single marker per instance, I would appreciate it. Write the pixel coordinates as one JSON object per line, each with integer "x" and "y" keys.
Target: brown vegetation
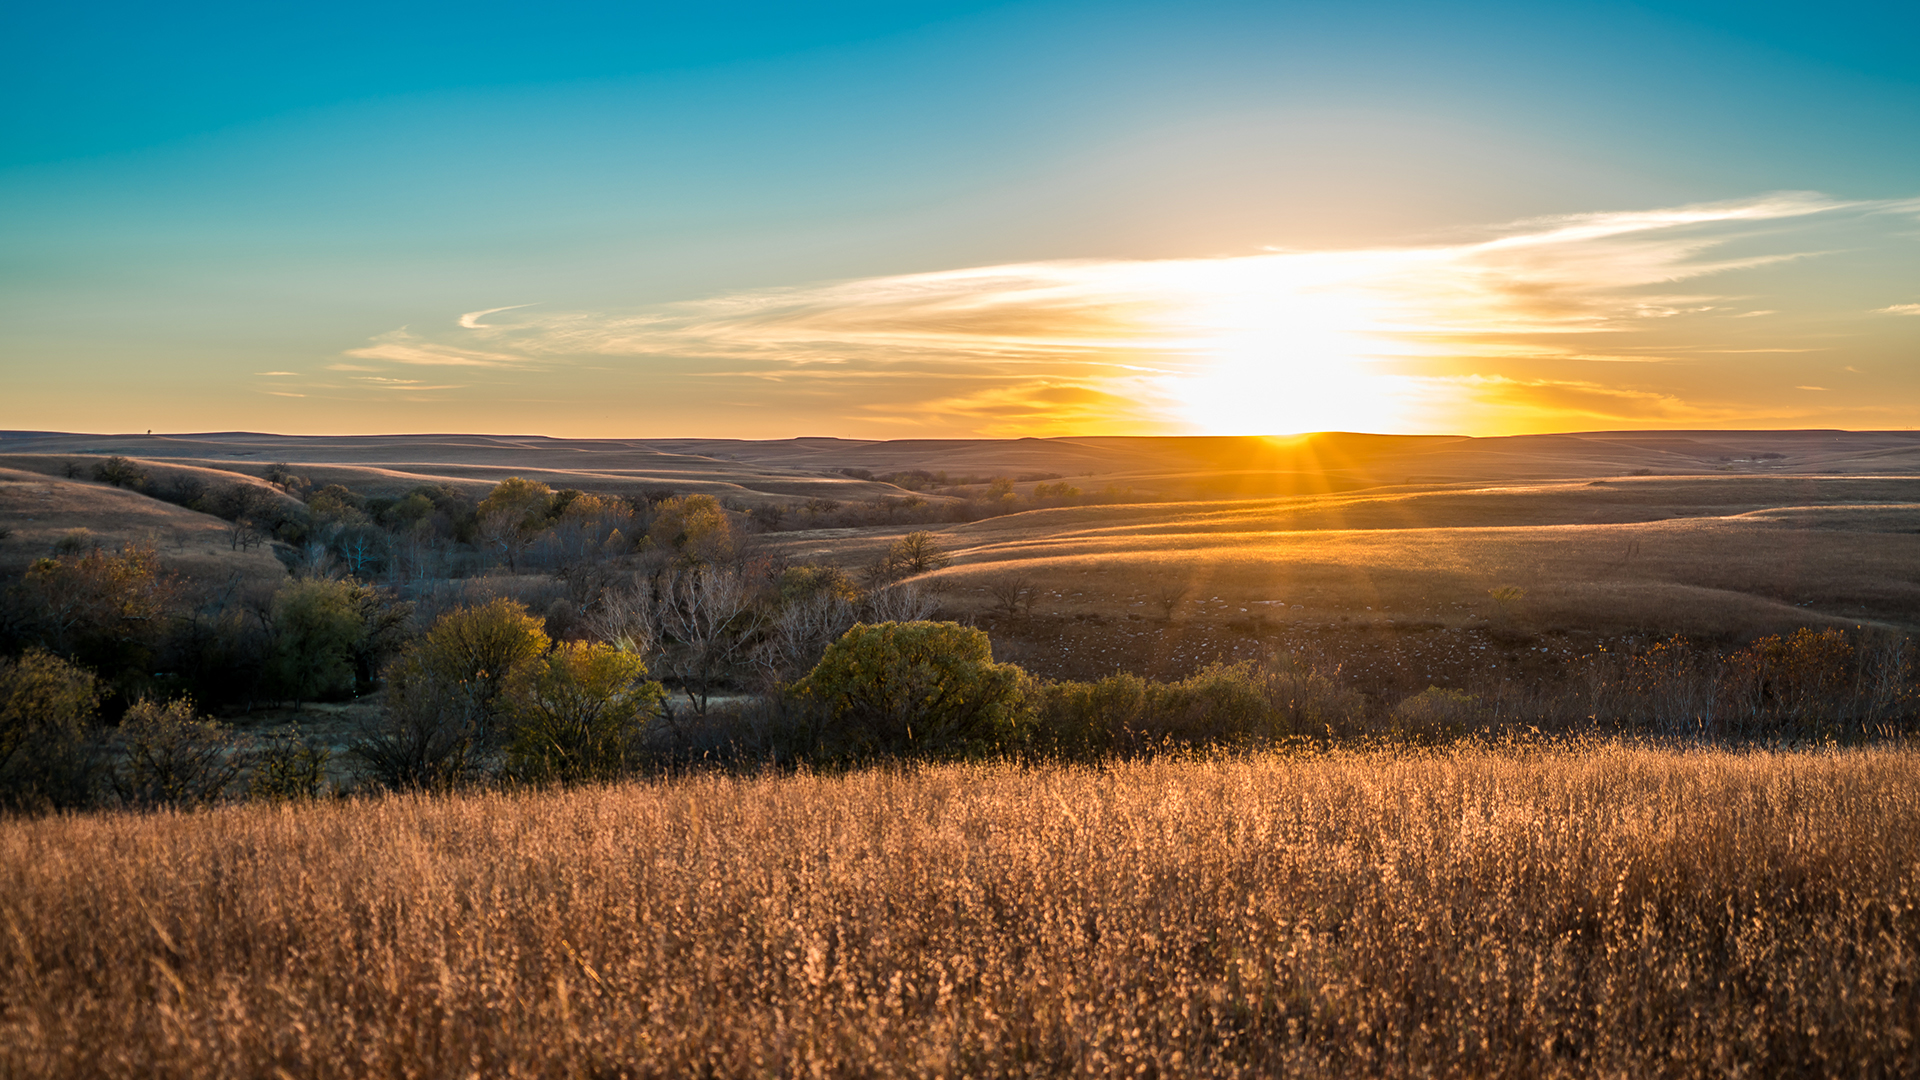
{"x": 1579, "y": 911}
{"x": 1418, "y": 862}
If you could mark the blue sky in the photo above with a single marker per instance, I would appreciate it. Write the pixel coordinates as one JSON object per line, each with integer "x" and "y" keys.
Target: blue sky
{"x": 191, "y": 198}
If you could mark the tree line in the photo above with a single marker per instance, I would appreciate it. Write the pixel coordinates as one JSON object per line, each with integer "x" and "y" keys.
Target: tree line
{"x": 669, "y": 640}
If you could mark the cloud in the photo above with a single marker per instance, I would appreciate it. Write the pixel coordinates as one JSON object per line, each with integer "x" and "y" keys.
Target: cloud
{"x": 471, "y": 320}
{"x": 1039, "y": 407}
{"x": 384, "y": 383}
{"x": 1275, "y": 340}
{"x": 273, "y": 373}
{"x": 402, "y": 347}
{"x": 1576, "y": 274}
{"x": 1572, "y": 403}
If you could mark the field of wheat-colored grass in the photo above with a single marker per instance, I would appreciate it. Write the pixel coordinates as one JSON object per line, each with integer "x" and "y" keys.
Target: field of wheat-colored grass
{"x": 1729, "y": 556}
{"x": 1597, "y": 911}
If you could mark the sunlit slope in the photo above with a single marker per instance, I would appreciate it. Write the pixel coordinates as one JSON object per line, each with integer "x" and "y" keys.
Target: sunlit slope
{"x": 1720, "y": 555}
{"x": 1197, "y": 467}
{"x": 37, "y": 511}
{"x": 409, "y": 466}
{"x": 1623, "y": 501}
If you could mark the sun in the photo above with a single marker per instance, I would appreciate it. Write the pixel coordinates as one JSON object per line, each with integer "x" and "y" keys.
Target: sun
{"x": 1292, "y": 349}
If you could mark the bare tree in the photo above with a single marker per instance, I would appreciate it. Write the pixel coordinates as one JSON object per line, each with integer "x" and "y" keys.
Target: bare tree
{"x": 901, "y": 603}
{"x": 1168, "y": 595}
{"x": 243, "y": 533}
{"x": 583, "y": 545}
{"x": 799, "y": 633}
{"x": 1011, "y": 593}
{"x": 917, "y": 553}
{"x": 694, "y": 625}
{"x": 706, "y": 614}
{"x": 362, "y": 547}
{"x": 506, "y": 532}
{"x": 625, "y": 617}
{"x": 316, "y": 560}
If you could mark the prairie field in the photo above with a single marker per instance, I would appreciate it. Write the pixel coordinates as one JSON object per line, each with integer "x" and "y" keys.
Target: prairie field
{"x": 1597, "y": 909}
{"x": 1475, "y": 898}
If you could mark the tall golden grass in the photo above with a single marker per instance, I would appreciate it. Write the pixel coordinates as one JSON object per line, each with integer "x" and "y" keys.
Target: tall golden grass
{"x": 1599, "y": 910}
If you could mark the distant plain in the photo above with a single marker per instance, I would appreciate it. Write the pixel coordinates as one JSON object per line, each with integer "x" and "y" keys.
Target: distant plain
{"x": 1713, "y": 533}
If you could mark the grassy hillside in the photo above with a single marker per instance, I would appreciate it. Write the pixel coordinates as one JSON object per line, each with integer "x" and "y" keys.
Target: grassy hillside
{"x": 1582, "y": 911}
{"x": 38, "y": 511}
{"x": 1209, "y": 467}
{"x": 1735, "y": 555}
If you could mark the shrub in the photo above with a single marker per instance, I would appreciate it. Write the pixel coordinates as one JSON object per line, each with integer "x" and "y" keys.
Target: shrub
{"x": 1125, "y": 713}
{"x": 482, "y": 647}
{"x": 1436, "y": 711}
{"x": 1305, "y": 700}
{"x": 105, "y": 610}
{"x": 120, "y": 472}
{"x": 47, "y": 709}
{"x": 289, "y": 767}
{"x": 1220, "y": 702}
{"x": 445, "y": 697}
{"x": 1803, "y": 680}
{"x": 172, "y": 757}
{"x": 579, "y": 714}
{"x": 696, "y": 526}
{"x": 1087, "y": 719}
{"x": 426, "y": 739}
{"x": 917, "y": 553}
{"x": 75, "y": 542}
{"x": 921, "y": 689}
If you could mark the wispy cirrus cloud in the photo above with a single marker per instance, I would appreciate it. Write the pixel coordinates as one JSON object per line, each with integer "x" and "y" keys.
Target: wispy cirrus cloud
{"x": 1575, "y": 317}
{"x": 471, "y": 320}
{"x": 404, "y": 347}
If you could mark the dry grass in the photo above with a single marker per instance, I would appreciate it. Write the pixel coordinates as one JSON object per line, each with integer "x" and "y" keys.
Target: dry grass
{"x": 1588, "y": 911}
{"x": 1737, "y": 557}
{"x": 37, "y": 510}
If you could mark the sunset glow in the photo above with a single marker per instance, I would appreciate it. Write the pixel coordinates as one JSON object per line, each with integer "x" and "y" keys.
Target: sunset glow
{"x": 965, "y": 220}
{"x": 1647, "y": 318}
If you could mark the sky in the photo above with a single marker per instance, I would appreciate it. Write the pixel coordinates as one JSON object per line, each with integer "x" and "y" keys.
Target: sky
{"x": 885, "y": 220}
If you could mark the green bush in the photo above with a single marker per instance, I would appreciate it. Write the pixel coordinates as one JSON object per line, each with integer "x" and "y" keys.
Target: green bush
{"x": 914, "y": 689}
{"x": 445, "y": 697}
{"x": 1436, "y": 711}
{"x": 579, "y": 714}
{"x": 1220, "y": 702}
{"x": 47, "y": 710}
{"x": 481, "y": 648}
{"x": 317, "y": 630}
{"x": 1088, "y": 719}
{"x": 1125, "y": 713}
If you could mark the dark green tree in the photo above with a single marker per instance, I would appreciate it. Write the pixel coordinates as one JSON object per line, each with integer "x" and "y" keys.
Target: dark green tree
{"x": 918, "y": 689}
{"x": 318, "y": 631}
